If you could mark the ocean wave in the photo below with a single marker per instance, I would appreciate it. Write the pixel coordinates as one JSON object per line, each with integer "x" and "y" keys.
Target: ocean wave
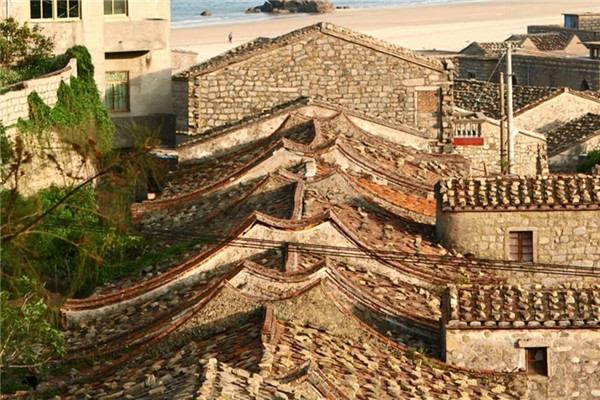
{"x": 186, "y": 13}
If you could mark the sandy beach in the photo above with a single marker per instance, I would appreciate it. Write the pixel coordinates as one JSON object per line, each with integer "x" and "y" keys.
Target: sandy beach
{"x": 441, "y": 27}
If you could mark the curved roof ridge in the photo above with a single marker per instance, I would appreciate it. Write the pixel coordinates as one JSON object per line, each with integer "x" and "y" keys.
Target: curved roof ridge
{"x": 345, "y": 109}
{"x": 359, "y": 159}
{"x": 220, "y": 130}
{"x": 158, "y": 335}
{"x": 213, "y": 186}
{"x": 403, "y": 348}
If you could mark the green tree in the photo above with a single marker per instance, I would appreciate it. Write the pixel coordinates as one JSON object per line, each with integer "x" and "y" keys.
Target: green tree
{"x": 25, "y": 52}
{"x": 593, "y": 158}
{"x": 22, "y": 44}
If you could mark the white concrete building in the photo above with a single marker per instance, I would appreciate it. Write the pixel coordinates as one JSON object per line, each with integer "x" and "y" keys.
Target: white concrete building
{"x": 129, "y": 42}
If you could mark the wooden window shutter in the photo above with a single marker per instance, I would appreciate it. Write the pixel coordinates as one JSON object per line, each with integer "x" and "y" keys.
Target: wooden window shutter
{"x": 521, "y": 246}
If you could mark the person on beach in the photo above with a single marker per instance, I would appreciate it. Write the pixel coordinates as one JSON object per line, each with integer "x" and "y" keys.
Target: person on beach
{"x": 230, "y": 36}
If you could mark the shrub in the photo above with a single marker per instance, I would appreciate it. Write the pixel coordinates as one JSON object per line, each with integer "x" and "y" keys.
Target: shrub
{"x": 593, "y": 158}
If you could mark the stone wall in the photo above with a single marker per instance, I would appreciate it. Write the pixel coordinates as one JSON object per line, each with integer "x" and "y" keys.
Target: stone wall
{"x": 13, "y": 104}
{"x": 560, "y": 237}
{"x": 536, "y": 70}
{"x": 486, "y": 157}
{"x": 573, "y": 357}
{"x": 557, "y": 276}
{"x": 584, "y": 35}
{"x": 589, "y": 22}
{"x": 179, "y": 90}
{"x": 475, "y": 67}
{"x": 371, "y": 81}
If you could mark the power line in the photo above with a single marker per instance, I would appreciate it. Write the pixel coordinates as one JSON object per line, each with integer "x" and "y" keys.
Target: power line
{"x": 324, "y": 250}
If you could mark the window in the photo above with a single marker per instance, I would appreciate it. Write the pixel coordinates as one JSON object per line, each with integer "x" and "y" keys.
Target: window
{"x": 521, "y": 246}
{"x": 537, "y": 360}
{"x": 467, "y": 129}
{"x": 116, "y": 98}
{"x": 585, "y": 85}
{"x": 115, "y": 7}
{"x": 54, "y": 9}
{"x": 467, "y": 133}
{"x": 428, "y": 101}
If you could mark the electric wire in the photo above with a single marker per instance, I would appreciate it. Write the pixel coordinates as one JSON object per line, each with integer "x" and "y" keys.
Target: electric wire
{"x": 326, "y": 250}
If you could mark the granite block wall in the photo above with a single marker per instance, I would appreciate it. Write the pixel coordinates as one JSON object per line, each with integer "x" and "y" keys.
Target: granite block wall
{"x": 536, "y": 70}
{"x": 560, "y": 237}
{"x": 486, "y": 157}
{"x": 573, "y": 357}
{"x": 320, "y": 65}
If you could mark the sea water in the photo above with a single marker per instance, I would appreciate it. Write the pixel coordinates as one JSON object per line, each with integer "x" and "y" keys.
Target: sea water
{"x": 186, "y": 13}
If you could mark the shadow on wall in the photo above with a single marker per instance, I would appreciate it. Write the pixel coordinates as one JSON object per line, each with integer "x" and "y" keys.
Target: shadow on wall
{"x": 163, "y": 123}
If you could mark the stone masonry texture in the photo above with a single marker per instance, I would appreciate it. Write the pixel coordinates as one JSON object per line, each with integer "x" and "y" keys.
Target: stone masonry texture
{"x": 321, "y": 62}
{"x": 566, "y": 237}
{"x": 573, "y": 357}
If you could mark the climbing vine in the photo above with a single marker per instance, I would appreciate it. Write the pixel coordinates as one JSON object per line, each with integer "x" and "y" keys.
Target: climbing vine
{"x": 79, "y": 117}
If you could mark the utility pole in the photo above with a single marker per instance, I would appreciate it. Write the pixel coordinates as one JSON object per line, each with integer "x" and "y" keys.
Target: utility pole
{"x": 509, "y": 116}
{"x": 502, "y": 126}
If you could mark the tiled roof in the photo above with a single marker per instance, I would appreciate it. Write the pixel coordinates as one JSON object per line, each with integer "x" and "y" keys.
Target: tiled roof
{"x": 516, "y": 307}
{"x": 493, "y": 48}
{"x": 573, "y": 132}
{"x": 478, "y": 96}
{"x": 365, "y": 366}
{"x": 547, "y": 41}
{"x": 293, "y": 107}
{"x": 264, "y": 176}
{"x": 553, "y": 192}
{"x": 323, "y": 353}
{"x": 489, "y": 49}
{"x": 262, "y": 45}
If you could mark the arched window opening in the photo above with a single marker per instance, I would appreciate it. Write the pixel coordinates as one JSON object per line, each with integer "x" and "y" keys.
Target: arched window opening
{"x": 585, "y": 85}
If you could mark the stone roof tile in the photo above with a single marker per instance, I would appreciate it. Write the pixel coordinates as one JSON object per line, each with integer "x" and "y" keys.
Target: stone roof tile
{"x": 553, "y": 192}
{"x": 374, "y": 369}
{"x": 516, "y": 307}
{"x": 478, "y": 96}
{"x": 572, "y": 132}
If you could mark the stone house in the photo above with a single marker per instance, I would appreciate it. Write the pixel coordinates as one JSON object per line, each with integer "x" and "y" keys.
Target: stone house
{"x": 551, "y": 336}
{"x": 477, "y": 138}
{"x": 542, "y": 42}
{"x": 324, "y": 61}
{"x": 477, "y": 129}
{"x": 537, "y": 112}
{"x": 129, "y": 42}
{"x": 570, "y": 143}
{"x": 551, "y": 219}
{"x": 585, "y": 25}
{"x": 540, "y": 59}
